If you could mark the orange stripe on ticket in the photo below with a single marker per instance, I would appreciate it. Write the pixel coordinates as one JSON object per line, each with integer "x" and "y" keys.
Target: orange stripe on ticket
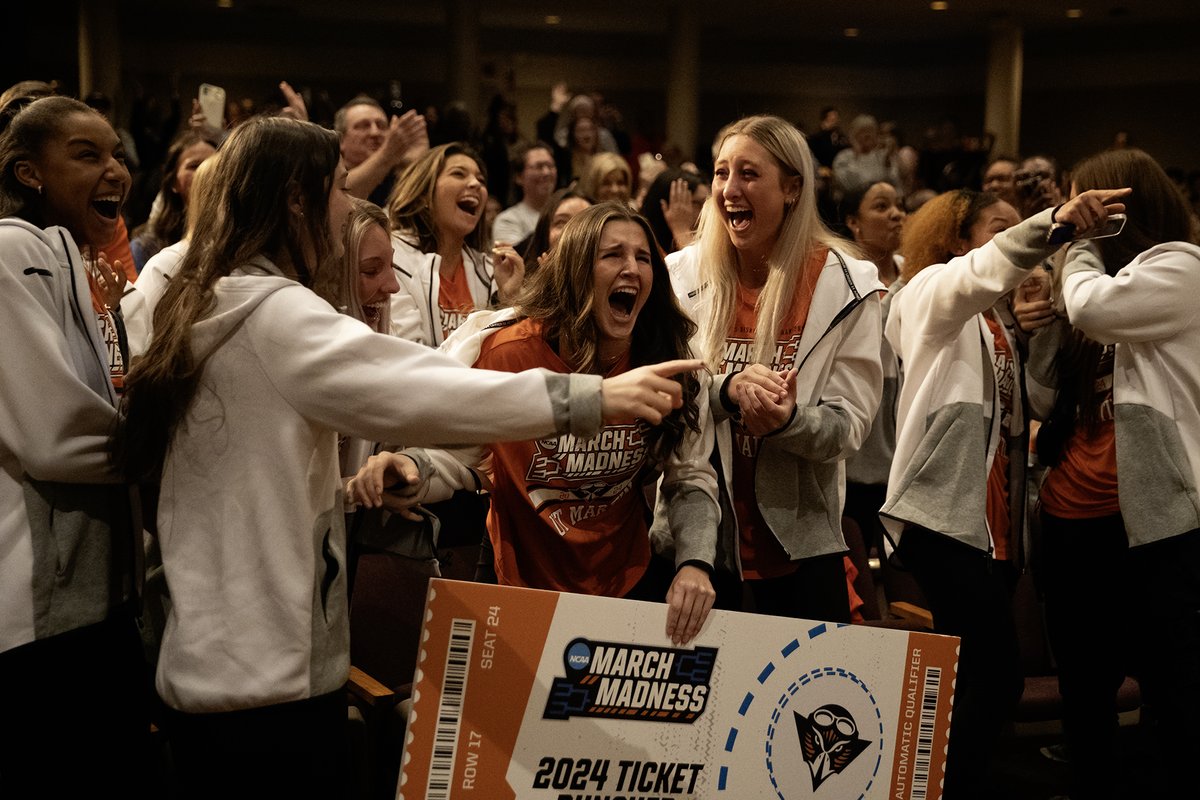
{"x": 922, "y": 726}
{"x": 476, "y": 670}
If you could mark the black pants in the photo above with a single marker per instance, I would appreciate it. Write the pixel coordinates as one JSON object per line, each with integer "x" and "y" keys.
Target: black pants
{"x": 1112, "y": 611}
{"x": 1083, "y": 573}
{"x": 1165, "y": 577}
{"x": 863, "y": 501}
{"x": 75, "y": 715}
{"x": 970, "y": 595}
{"x": 816, "y": 590}
{"x": 297, "y": 749}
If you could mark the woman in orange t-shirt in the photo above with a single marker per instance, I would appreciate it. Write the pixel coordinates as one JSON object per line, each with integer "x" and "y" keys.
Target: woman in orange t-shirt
{"x": 569, "y": 514}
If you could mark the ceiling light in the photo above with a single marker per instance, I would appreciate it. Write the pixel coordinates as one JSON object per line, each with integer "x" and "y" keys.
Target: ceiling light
{"x": 939, "y": 5}
{"x": 851, "y": 32}
{"x": 1074, "y": 13}
{"x": 224, "y": 3}
{"x": 553, "y": 19}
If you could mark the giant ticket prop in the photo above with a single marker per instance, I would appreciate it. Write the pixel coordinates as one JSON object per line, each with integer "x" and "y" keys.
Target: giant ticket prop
{"x": 530, "y": 694}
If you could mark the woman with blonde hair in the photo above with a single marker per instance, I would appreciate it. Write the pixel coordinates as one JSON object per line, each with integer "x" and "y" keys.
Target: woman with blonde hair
{"x": 789, "y": 321}
{"x": 607, "y": 178}
{"x": 955, "y": 506}
{"x": 137, "y": 306}
{"x": 436, "y": 212}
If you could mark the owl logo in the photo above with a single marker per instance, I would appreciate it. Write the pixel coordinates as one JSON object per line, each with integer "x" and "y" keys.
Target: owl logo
{"x": 829, "y": 741}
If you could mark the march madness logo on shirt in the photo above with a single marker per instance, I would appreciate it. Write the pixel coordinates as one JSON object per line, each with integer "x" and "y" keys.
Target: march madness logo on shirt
{"x": 585, "y": 474}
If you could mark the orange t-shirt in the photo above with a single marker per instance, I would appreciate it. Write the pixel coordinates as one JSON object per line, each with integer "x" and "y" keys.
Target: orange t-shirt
{"x": 997, "y": 482}
{"x": 567, "y": 514}
{"x": 1083, "y": 485}
{"x": 761, "y": 553}
{"x": 455, "y": 303}
{"x": 118, "y": 250}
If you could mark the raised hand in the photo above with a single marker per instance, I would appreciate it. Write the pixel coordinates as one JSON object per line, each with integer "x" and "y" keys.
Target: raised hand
{"x": 295, "y": 108}
{"x": 110, "y": 280}
{"x": 508, "y": 268}
{"x": 677, "y": 210}
{"x": 1088, "y": 211}
{"x": 407, "y": 138}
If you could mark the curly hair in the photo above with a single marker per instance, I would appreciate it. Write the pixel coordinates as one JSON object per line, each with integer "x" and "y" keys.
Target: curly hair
{"x": 938, "y": 228}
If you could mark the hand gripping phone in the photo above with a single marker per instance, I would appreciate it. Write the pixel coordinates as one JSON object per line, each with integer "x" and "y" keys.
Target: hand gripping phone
{"x": 1063, "y": 232}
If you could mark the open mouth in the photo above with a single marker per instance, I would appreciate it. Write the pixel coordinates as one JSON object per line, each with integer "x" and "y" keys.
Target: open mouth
{"x": 470, "y": 205}
{"x": 622, "y": 302}
{"x": 739, "y": 218}
{"x": 371, "y": 311}
{"x": 108, "y": 206}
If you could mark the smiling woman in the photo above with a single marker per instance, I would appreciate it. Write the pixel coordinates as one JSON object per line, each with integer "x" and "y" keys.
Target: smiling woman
{"x": 66, "y": 534}
{"x": 790, "y": 321}
{"x": 437, "y": 238}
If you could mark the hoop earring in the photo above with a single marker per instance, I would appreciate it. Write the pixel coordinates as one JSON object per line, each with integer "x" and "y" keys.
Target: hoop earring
{"x": 40, "y": 187}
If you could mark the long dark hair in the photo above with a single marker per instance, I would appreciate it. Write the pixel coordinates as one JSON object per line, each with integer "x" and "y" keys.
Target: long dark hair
{"x": 169, "y": 225}
{"x": 1156, "y": 213}
{"x": 660, "y": 190}
{"x": 538, "y": 242}
{"x": 1156, "y": 210}
{"x": 265, "y": 165}
{"x": 560, "y": 295}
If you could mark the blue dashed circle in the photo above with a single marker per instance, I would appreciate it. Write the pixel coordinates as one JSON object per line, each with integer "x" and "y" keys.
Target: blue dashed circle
{"x": 783, "y": 701}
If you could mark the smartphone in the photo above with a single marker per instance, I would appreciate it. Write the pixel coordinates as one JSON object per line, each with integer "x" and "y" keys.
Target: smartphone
{"x": 212, "y": 104}
{"x": 1062, "y": 232}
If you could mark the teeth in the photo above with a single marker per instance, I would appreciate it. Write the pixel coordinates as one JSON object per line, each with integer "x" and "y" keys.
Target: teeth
{"x": 109, "y": 198}
{"x": 625, "y": 290}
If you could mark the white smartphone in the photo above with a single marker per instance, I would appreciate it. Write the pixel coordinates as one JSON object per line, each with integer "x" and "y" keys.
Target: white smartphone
{"x": 212, "y": 104}
{"x": 1061, "y": 232}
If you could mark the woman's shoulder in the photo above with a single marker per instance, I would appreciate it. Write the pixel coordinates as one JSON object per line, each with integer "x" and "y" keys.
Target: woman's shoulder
{"x": 1170, "y": 252}
{"x": 15, "y": 232}
{"x": 862, "y": 273}
{"x": 514, "y": 344}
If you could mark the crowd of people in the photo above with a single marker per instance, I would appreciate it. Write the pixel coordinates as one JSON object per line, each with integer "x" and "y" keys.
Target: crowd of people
{"x": 315, "y": 322}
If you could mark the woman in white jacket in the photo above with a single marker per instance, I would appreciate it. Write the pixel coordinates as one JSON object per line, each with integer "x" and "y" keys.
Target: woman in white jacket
{"x": 67, "y": 536}
{"x": 955, "y": 498}
{"x": 791, "y": 326}
{"x": 1119, "y": 507}
{"x": 238, "y": 404}
{"x": 436, "y": 211}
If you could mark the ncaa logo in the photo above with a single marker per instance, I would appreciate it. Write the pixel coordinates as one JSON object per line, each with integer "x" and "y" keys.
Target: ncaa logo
{"x": 578, "y": 656}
